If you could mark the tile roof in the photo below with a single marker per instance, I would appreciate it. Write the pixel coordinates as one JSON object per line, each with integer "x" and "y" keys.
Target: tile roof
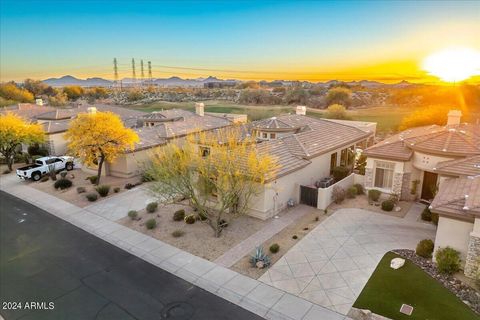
{"x": 460, "y": 167}
{"x": 460, "y": 140}
{"x": 321, "y": 136}
{"x": 287, "y": 162}
{"x": 274, "y": 123}
{"x": 458, "y": 197}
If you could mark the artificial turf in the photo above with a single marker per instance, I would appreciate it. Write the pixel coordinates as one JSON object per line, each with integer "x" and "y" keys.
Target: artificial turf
{"x": 388, "y": 289}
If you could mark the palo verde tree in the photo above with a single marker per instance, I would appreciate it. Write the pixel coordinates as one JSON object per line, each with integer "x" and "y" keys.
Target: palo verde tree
{"x": 96, "y": 137}
{"x": 15, "y": 131}
{"x": 218, "y": 174}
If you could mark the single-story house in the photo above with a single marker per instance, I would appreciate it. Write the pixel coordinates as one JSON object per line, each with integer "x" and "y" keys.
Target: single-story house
{"x": 407, "y": 163}
{"x": 306, "y": 149}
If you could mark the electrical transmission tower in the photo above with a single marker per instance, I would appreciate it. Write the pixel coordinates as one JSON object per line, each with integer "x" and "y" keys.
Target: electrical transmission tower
{"x": 150, "y": 80}
{"x": 115, "y": 73}
{"x": 134, "y": 74}
{"x": 142, "y": 73}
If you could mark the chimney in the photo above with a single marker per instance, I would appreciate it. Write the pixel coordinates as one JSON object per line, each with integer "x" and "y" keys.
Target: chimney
{"x": 454, "y": 117}
{"x": 92, "y": 110}
{"x": 301, "y": 110}
{"x": 200, "y": 109}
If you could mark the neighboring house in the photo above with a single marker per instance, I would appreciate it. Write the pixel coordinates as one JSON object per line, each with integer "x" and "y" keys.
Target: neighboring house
{"x": 306, "y": 149}
{"x": 406, "y": 164}
{"x": 55, "y": 120}
{"x": 458, "y": 205}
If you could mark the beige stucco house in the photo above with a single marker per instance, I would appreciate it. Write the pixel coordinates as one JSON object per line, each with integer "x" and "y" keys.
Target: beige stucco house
{"x": 306, "y": 149}
{"x": 407, "y": 163}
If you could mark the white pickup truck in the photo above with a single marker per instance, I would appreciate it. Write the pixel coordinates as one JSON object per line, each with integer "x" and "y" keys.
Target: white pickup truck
{"x": 43, "y": 165}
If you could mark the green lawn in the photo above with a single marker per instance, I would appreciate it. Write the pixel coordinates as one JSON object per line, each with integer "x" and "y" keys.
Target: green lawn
{"x": 387, "y": 118}
{"x": 388, "y": 289}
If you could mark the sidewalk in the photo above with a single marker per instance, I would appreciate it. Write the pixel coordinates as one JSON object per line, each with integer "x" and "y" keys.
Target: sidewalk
{"x": 253, "y": 295}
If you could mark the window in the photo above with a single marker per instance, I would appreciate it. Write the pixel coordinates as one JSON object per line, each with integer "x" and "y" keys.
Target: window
{"x": 384, "y": 174}
{"x": 264, "y": 135}
{"x": 333, "y": 162}
{"x": 273, "y": 135}
{"x": 343, "y": 157}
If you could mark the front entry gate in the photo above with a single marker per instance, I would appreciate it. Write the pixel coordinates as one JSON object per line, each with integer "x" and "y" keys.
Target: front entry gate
{"x": 309, "y": 196}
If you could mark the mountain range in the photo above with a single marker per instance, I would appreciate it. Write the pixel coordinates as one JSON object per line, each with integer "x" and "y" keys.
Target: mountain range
{"x": 198, "y": 82}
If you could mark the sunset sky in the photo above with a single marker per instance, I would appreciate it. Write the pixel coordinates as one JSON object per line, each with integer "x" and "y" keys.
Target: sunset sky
{"x": 316, "y": 41}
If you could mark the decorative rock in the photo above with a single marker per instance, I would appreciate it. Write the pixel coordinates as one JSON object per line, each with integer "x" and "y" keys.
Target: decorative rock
{"x": 397, "y": 263}
{"x": 260, "y": 265}
{"x": 398, "y": 209}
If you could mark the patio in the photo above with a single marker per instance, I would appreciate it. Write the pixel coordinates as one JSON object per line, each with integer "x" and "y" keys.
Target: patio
{"x": 332, "y": 264}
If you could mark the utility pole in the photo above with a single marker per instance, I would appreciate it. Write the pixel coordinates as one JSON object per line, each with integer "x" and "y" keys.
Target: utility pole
{"x": 134, "y": 75}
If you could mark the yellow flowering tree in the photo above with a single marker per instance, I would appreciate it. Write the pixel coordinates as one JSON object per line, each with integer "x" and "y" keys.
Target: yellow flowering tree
{"x": 99, "y": 137}
{"x": 13, "y": 132}
{"x": 218, "y": 173}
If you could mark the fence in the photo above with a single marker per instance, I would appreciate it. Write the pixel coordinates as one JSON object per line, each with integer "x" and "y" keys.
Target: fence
{"x": 325, "y": 194}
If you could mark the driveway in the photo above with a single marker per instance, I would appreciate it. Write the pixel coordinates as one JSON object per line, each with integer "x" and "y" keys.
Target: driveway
{"x": 331, "y": 265}
{"x": 47, "y": 260}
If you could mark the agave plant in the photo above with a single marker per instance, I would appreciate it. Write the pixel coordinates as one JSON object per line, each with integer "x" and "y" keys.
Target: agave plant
{"x": 259, "y": 259}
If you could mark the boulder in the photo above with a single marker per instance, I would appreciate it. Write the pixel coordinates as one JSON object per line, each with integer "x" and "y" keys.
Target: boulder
{"x": 397, "y": 263}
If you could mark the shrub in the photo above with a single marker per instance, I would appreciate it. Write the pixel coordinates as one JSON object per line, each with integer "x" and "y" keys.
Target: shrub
{"x": 81, "y": 190}
{"x": 340, "y": 172}
{"x": 133, "y": 214}
{"x": 295, "y": 237}
{"x": 360, "y": 189}
{"x": 129, "y": 186}
{"x": 44, "y": 179}
{"x": 201, "y": 216}
{"x": 103, "y": 190}
{"x": 317, "y": 218}
{"x": 6, "y": 171}
{"x": 150, "y": 224}
{"x": 190, "y": 219}
{"x": 63, "y": 174}
{"x": 177, "y": 233}
{"x": 62, "y": 184}
{"x": 435, "y": 218}
{"x": 425, "y": 248}
{"x": 92, "y": 197}
{"x": 351, "y": 192}
{"x": 179, "y": 215}
{"x": 338, "y": 194}
{"x": 92, "y": 179}
{"x": 152, "y": 207}
{"x": 274, "y": 248}
{"x": 388, "y": 205}
{"x": 426, "y": 214}
{"x": 116, "y": 189}
{"x": 448, "y": 260}
{"x": 374, "y": 194}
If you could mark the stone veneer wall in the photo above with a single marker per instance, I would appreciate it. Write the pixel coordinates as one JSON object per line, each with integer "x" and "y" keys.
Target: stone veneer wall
{"x": 368, "y": 178}
{"x": 397, "y": 183}
{"x": 406, "y": 186}
{"x": 472, "y": 262}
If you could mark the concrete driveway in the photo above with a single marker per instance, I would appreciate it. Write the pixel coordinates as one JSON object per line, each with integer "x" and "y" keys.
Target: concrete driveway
{"x": 331, "y": 265}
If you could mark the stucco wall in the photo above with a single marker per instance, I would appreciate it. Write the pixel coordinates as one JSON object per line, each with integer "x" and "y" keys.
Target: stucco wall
{"x": 453, "y": 233}
{"x": 325, "y": 194}
{"x": 276, "y": 194}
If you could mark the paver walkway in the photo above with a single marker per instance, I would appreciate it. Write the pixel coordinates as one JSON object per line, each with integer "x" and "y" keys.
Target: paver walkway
{"x": 253, "y": 295}
{"x": 331, "y": 265}
{"x": 117, "y": 207}
{"x": 274, "y": 226}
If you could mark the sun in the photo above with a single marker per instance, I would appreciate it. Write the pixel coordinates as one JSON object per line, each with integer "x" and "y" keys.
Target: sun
{"x": 453, "y": 64}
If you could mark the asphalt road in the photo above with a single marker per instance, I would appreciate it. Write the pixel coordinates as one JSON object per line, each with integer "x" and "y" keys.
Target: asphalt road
{"x": 47, "y": 261}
